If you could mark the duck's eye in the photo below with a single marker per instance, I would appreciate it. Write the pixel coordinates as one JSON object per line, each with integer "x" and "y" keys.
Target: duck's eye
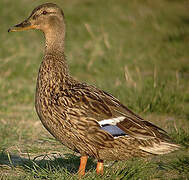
{"x": 44, "y": 12}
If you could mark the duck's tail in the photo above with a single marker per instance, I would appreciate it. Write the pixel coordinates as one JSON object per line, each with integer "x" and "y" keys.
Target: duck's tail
{"x": 160, "y": 148}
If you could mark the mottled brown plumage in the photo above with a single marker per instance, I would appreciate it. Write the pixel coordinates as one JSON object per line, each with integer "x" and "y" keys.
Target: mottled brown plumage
{"x": 75, "y": 113}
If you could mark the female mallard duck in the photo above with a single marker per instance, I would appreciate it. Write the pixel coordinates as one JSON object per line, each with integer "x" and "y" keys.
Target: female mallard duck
{"x": 83, "y": 117}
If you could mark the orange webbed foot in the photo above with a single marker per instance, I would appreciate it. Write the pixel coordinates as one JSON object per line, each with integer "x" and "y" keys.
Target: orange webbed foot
{"x": 83, "y": 163}
{"x": 100, "y": 167}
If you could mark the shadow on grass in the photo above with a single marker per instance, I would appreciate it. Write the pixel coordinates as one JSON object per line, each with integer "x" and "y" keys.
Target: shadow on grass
{"x": 45, "y": 164}
{"x": 56, "y": 166}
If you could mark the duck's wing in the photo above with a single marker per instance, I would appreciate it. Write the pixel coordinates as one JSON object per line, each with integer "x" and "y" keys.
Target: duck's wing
{"x": 109, "y": 117}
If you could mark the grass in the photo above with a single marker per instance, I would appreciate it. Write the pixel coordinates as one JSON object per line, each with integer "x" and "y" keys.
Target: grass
{"x": 136, "y": 50}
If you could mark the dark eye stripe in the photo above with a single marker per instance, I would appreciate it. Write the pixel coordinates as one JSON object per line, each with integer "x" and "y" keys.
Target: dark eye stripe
{"x": 35, "y": 16}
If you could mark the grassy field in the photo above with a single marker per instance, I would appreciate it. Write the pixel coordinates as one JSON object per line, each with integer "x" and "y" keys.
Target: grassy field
{"x": 136, "y": 50}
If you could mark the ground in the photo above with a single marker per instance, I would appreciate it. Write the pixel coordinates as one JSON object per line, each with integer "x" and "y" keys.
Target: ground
{"x": 136, "y": 50}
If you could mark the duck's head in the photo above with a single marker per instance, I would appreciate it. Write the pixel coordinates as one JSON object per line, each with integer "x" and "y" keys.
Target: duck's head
{"x": 43, "y": 17}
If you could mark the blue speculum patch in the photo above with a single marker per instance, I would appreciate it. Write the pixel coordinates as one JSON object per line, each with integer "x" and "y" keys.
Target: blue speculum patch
{"x": 113, "y": 130}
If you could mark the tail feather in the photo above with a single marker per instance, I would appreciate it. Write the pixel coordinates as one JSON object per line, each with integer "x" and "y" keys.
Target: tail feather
{"x": 160, "y": 148}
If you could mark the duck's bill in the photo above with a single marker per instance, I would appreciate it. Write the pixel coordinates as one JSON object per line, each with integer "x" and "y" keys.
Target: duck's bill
{"x": 25, "y": 25}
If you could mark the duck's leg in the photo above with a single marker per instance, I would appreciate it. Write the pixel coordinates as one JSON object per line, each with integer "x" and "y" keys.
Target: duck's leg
{"x": 100, "y": 167}
{"x": 83, "y": 162}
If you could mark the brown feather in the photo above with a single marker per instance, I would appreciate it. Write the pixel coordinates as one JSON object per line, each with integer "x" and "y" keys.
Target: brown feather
{"x": 71, "y": 110}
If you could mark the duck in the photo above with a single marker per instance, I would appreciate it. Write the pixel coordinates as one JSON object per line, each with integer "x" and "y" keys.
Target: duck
{"x": 82, "y": 117}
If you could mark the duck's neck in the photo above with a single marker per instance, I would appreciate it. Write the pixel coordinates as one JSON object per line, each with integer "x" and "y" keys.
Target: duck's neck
{"x": 53, "y": 70}
{"x": 55, "y": 40}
